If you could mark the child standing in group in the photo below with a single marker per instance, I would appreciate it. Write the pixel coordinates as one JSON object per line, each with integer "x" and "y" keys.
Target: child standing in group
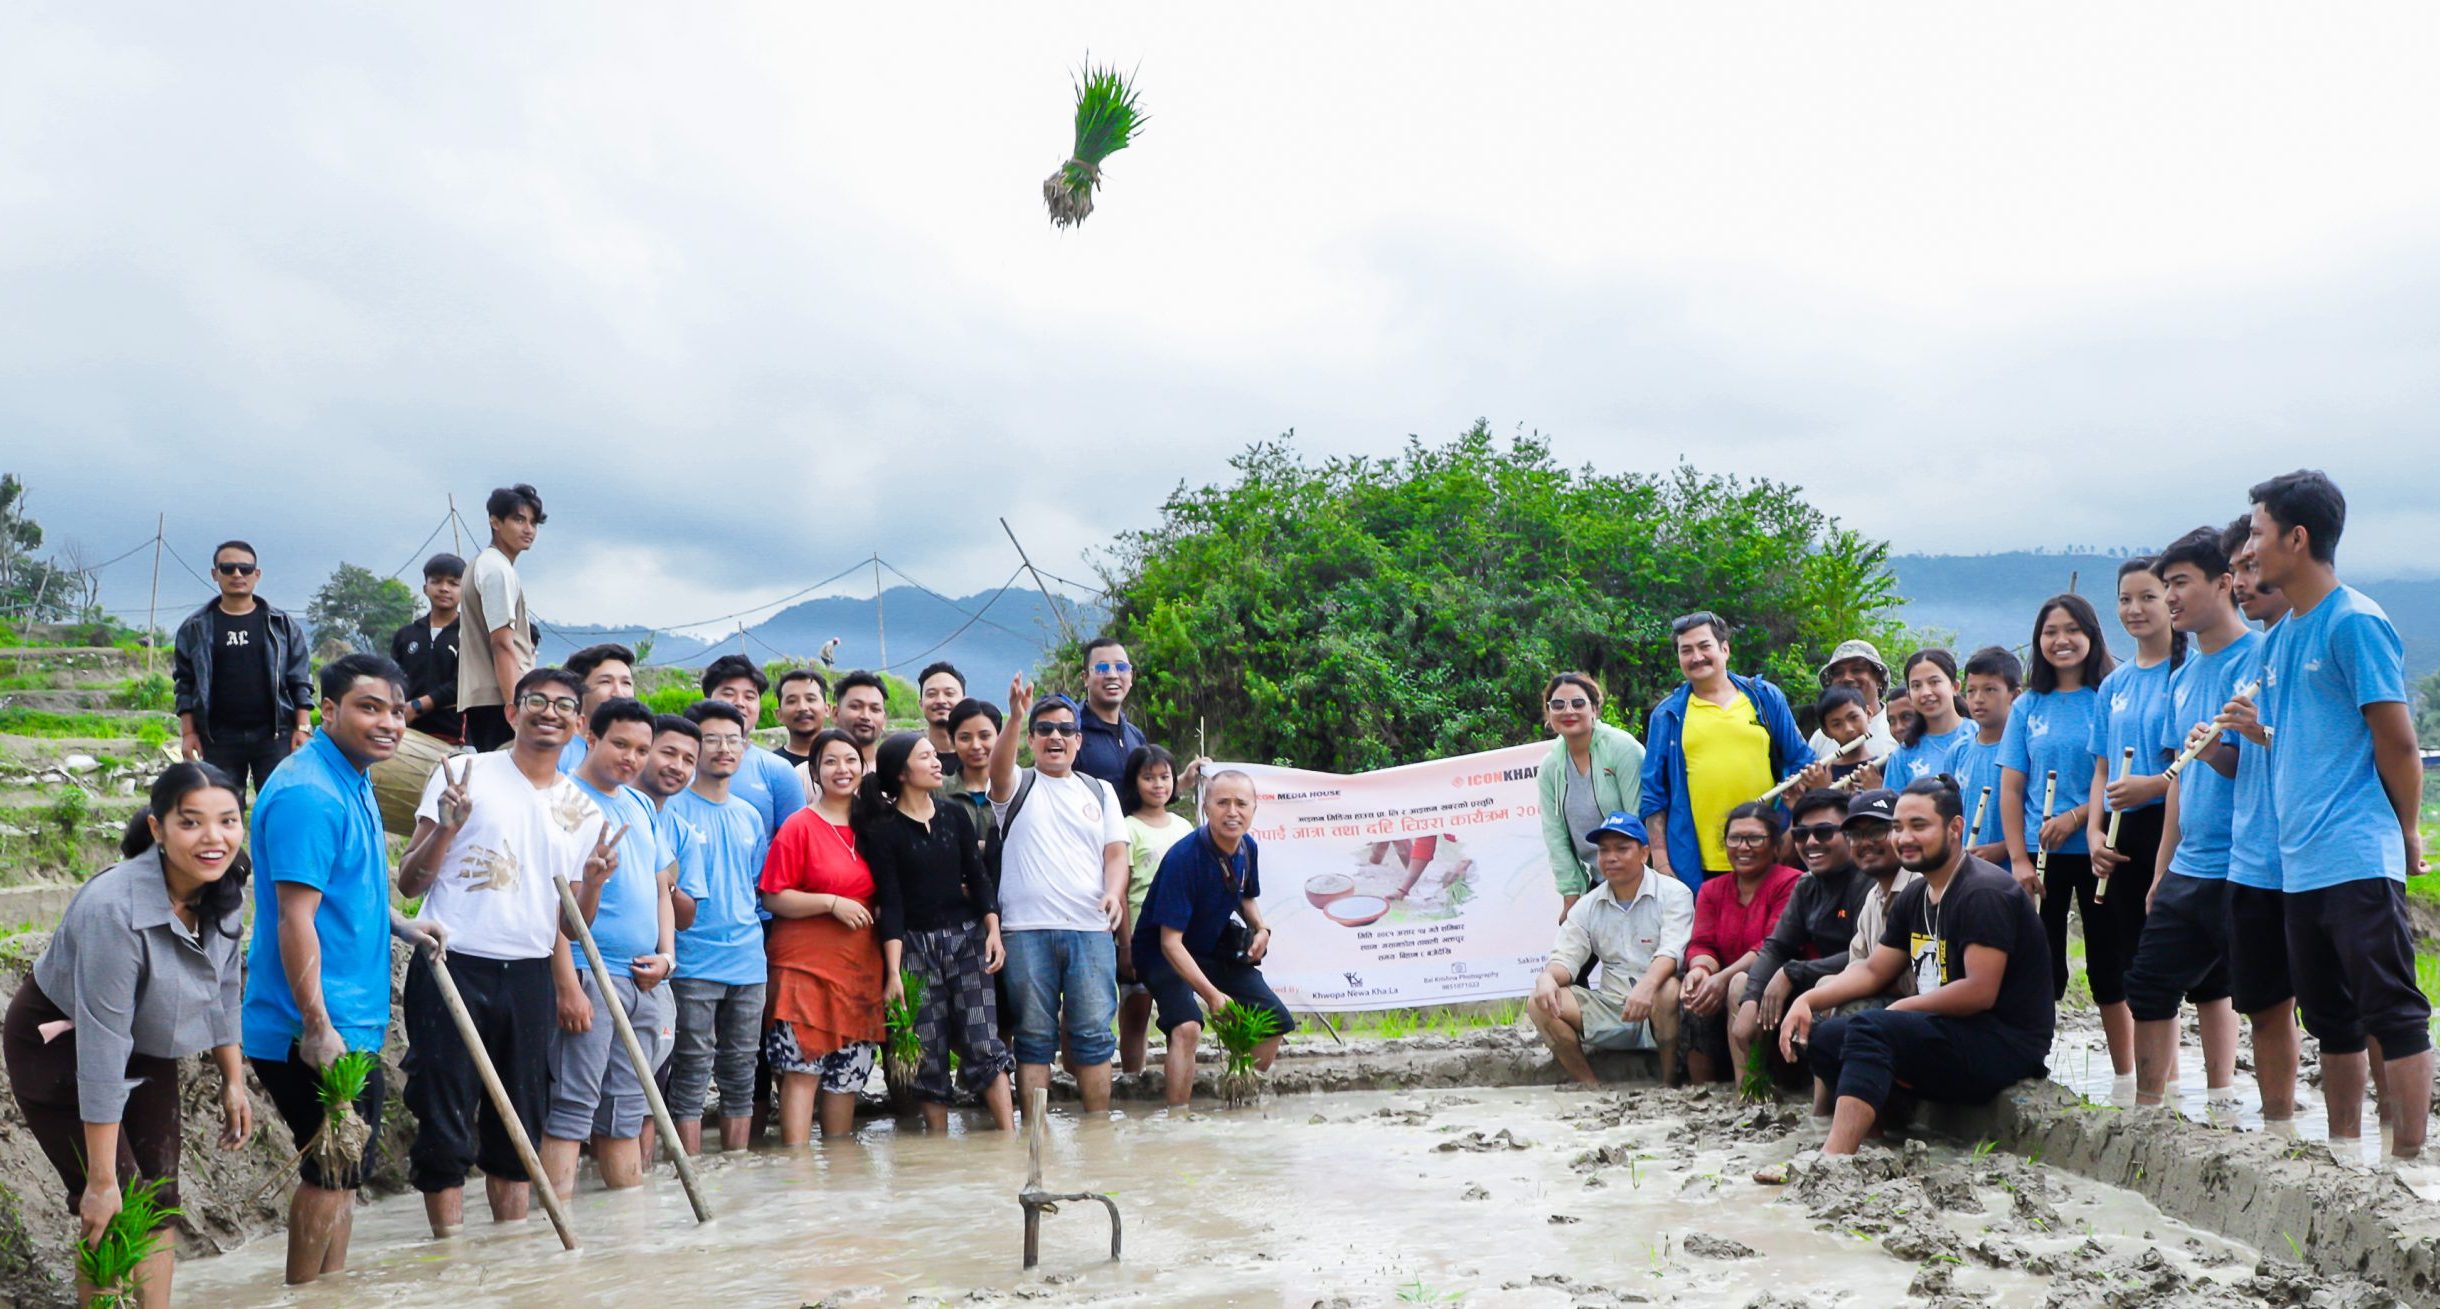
{"x": 1993, "y": 678}
{"x": 1149, "y": 784}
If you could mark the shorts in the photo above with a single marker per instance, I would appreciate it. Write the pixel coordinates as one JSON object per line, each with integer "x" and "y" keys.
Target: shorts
{"x": 2257, "y": 949}
{"x": 1062, "y": 982}
{"x": 1241, "y": 983}
{"x": 43, "y": 1075}
{"x": 294, "y": 1087}
{"x": 843, "y": 1071}
{"x": 594, "y": 1087}
{"x": 2183, "y": 952}
{"x": 2352, "y": 958}
{"x": 1604, "y": 1029}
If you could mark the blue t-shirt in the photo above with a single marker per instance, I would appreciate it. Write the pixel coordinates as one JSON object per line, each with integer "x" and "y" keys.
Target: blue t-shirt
{"x": 2052, "y": 731}
{"x": 316, "y": 824}
{"x": 770, "y": 784}
{"x": 2206, "y": 801}
{"x": 1976, "y": 766}
{"x": 1195, "y": 891}
{"x": 2335, "y": 823}
{"x": 2133, "y": 710}
{"x": 718, "y": 864}
{"x": 572, "y": 754}
{"x": 2253, "y": 847}
{"x": 628, "y": 922}
{"x": 1928, "y": 757}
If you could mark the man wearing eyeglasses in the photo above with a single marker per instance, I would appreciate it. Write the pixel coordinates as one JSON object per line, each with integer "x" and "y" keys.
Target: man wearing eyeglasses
{"x": 242, "y": 675}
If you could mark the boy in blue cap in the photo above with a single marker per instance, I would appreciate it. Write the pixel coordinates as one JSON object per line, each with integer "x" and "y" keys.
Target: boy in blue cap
{"x": 1636, "y": 922}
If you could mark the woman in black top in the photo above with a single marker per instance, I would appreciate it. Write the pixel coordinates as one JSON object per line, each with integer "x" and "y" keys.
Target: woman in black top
{"x": 940, "y": 919}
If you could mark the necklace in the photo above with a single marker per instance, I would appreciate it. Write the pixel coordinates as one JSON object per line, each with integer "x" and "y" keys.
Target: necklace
{"x": 838, "y": 833}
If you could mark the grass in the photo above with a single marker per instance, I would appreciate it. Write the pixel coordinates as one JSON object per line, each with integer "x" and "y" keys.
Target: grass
{"x": 18, "y": 721}
{"x": 1437, "y": 1020}
{"x": 145, "y": 691}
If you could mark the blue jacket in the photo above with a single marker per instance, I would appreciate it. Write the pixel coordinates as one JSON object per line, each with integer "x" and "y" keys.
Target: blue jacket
{"x": 1665, "y": 764}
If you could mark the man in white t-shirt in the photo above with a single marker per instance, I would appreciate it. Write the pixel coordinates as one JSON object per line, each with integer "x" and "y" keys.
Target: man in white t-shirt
{"x": 1063, "y": 891}
{"x": 490, "y": 835}
{"x": 497, "y": 638}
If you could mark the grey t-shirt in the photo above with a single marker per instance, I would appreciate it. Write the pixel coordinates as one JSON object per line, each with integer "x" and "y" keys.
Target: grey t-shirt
{"x": 1582, "y": 810}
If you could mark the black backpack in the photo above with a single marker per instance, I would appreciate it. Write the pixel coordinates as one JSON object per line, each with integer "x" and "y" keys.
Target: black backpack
{"x": 997, "y": 844}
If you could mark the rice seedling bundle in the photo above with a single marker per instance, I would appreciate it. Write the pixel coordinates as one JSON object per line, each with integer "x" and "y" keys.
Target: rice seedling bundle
{"x": 339, "y": 1146}
{"x": 1106, "y": 122}
{"x": 903, "y": 1050}
{"x": 133, "y": 1236}
{"x": 1240, "y": 1029}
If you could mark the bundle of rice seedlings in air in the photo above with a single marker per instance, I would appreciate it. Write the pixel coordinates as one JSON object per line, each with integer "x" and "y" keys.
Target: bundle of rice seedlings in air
{"x": 903, "y": 1051}
{"x": 339, "y": 1147}
{"x": 1241, "y": 1028}
{"x": 1106, "y": 120}
{"x": 133, "y": 1236}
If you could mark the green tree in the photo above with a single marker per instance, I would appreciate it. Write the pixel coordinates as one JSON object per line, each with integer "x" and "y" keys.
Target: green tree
{"x": 1364, "y": 612}
{"x": 32, "y": 589}
{"x": 359, "y": 609}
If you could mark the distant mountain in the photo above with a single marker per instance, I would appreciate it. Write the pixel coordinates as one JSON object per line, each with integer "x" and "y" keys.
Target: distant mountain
{"x": 1990, "y": 599}
{"x": 990, "y": 636}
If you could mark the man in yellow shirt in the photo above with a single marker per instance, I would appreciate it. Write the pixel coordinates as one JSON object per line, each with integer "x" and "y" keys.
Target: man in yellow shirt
{"x": 1714, "y": 743}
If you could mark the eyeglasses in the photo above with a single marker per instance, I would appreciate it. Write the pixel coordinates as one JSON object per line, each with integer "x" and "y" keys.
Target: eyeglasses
{"x": 537, "y": 702}
{"x": 1578, "y": 703}
{"x": 1816, "y": 832}
{"x": 724, "y": 743}
{"x": 234, "y": 570}
{"x": 1748, "y": 838}
{"x": 1057, "y": 729}
{"x": 1122, "y": 666}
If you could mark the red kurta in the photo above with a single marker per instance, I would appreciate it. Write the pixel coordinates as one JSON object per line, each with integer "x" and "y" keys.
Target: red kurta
{"x": 826, "y": 977}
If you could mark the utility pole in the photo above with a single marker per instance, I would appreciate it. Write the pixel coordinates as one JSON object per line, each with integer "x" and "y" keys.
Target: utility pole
{"x": 881, "y": 623}
{"x": 457, "y": 544}
{"x": 152, "y": 607}
{"x": 1056, "y": 611}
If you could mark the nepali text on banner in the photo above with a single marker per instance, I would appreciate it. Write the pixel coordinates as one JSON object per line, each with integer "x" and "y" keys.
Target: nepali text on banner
{"x": 1419, "y": 885}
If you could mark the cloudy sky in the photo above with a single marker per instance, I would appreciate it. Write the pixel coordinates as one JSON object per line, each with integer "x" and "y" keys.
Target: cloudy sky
{"x": 754, "y": 291}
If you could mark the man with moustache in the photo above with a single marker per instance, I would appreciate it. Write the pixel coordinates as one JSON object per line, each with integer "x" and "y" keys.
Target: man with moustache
{"x": 804, "y": 707}
{"x": 594, "y": 1088}
{"x": 608, "y": 672}
{"x": 1981, "y": 1018}
{"x": 1716, "y": 742}
{"x": 491, "y": 835}
{"x": 763, "y": 779}
{"x": 938, "y": 688}
{"x": 864, "y": 712}
{"x": 318, "y": 972}
{"x": 2257, "y": 920}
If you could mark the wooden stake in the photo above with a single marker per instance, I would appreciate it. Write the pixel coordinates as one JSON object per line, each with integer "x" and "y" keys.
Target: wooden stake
{"x": 515, "y": 1126}
{"x": 635, "y": 1052}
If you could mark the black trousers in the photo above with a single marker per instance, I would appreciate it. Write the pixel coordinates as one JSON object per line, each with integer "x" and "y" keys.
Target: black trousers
{"x": 2352, "y": 957}
{"x": 487, "y": 727}
{"x": 248, "y": 756}
{"x": 2112, "y": 926}
{"x": 515, "y": 1010}
{"x": 1949, "y": 1060}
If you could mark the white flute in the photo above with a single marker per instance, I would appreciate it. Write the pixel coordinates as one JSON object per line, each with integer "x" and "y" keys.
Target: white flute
{"x": 2041, "y": 848}
{"x": 2101, "y": 880}
{"x": 1984, "y": 802}
{"x": 2195, "y": 751}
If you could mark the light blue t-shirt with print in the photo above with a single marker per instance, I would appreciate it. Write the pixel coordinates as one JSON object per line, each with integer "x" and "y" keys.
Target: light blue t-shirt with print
{"x": 2206, "y": 801}
{"x": 2131, "y": 711}
{"x": 1975, "y": 767}
{"x": 2052, "y": 732}
{"x": 1928, "y": 757}
{"x": 628, "y": 923}
{"x": 2324, "y": 668}
{"x": 770, "y": 784}
{"x": 572, "y": 754}
{"x": 719, "y": 861}
{"x": 2253, "y": 848}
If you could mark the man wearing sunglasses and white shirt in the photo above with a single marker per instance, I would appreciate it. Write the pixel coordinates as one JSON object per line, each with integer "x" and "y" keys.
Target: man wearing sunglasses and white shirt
{"x": 1108, "y": 737}
{"x": 242, "y": 676}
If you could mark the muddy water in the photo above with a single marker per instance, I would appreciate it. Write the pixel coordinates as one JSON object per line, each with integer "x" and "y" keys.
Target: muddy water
{"x": 2080, "y": 1061}
{"x": 1311, "y": 1197}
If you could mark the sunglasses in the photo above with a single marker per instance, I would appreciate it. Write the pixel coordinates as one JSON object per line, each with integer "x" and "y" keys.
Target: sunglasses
{"x": 537, "y": 702}
{"x": 1556, "y": 706}
{"x": 1816, "y": 832}
{"x": 1122, "y": 666}
{"x": 1057, "y": 729}
{"x": 235, "y": 570}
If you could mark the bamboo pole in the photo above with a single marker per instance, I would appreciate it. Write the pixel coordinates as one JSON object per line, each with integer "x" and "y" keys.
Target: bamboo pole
{"x": 514, "y": 1125}
{"x": 457, "y": 544}
{"x": 1060, "y": 615}
{"x": 152, "y": 606}
{"x": 635, "y": 1052}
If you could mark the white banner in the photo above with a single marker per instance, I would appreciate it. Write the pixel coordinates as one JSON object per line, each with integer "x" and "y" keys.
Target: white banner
{"x": 1420, "y": 885}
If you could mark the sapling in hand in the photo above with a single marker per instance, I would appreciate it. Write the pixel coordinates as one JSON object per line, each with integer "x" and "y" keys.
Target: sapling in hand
{"x": 135, "y": 1233}
{"x": 903, "y": 1051}
{"x": 1240, "y": 1029}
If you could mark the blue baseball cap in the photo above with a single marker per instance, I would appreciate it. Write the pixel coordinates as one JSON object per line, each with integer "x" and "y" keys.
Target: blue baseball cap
{"x": 1621, "y": 824}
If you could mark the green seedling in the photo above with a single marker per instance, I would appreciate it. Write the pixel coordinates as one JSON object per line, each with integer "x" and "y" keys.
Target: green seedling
{"x": 1240, "y": 1029}
{"x": 1755, "y": 1086}
{"x": 904, "y": 1049}
{"x": 1107, "y": 120}
{"x": 135, "y": 1233}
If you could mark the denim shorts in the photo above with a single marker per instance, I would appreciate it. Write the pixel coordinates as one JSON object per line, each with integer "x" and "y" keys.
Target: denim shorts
{"x": 1063, "y": 982}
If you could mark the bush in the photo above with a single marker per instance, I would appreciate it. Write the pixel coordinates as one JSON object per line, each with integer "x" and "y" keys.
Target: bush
{"x": 150, "y": 691}
{"x": 1363, "y": 612}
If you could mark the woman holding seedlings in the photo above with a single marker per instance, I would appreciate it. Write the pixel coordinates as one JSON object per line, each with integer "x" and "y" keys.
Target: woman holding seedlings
{"x": 825, "y": 994}
{"x": 2046, "y": 781}
{"x": 940, "y": 921}
{"x": 142, "y": 971}
{"x": 1144, "y": 791}
{"x": 1733, "y": 915}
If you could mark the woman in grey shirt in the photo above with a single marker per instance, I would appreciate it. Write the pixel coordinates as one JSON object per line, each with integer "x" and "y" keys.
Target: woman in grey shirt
{"x": 142, "y": 971}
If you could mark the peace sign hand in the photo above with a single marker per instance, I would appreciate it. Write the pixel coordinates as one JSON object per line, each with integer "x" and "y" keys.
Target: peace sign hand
{"x": 456, "y": 801}
{"x": 603, "y": 860}
{"x": 1020, "y": 699}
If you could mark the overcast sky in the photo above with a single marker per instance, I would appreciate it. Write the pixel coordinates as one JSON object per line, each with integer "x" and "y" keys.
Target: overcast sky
{"x": 752, "y": 292}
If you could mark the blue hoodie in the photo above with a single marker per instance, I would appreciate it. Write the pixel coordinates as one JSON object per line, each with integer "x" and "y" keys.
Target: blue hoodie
{"x": 1665, "y": 764}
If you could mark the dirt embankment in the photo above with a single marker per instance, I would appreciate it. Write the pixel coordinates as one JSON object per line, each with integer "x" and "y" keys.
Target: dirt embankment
{"x": 38, "y": 1229}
